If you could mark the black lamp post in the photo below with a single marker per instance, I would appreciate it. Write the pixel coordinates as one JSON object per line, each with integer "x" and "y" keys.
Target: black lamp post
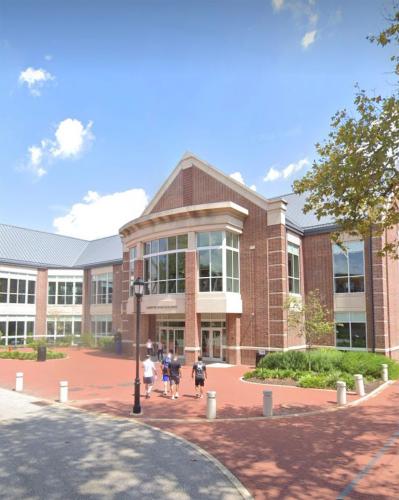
{"x": 137, "y": 287}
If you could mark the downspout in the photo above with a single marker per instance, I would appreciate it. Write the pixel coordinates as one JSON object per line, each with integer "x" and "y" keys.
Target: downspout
{"x": 388, "y": 309}
{"x": 372, "y": 290}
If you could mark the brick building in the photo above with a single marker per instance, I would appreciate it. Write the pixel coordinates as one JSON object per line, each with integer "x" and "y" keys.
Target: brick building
{"x": 218, "y": 260}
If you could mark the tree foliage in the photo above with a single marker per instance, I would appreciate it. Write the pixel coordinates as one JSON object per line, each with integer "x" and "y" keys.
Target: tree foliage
{"x": 309, "y": 318}
{"x": 355, "y": 179}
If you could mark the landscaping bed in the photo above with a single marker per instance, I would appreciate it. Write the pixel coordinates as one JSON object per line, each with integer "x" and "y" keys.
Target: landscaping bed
{"x": 30, "y": 355}
{"x": 322, "y": 368}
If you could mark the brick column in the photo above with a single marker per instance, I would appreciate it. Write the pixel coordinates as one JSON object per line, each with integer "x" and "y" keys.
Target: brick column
{"x": 41, "y": 302}
{"x": 191, "y": 340}
{"x": 380, "y": 295}
{"x": 233, "y": 334}
{"x": 117, "y": 297}
{"x": 277, "y": 285}
{"x": 86, "y": 326}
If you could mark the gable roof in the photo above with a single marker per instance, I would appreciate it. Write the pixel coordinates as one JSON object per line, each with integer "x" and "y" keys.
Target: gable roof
{"x": 190, "y": 160}
{"x": 28, "y": 247}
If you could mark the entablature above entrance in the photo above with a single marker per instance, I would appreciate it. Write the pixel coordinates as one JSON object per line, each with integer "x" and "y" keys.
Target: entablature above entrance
{"x": 205, "y": 217}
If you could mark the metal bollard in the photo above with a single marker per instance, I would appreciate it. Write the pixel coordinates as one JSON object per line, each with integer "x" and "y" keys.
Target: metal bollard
{"x": 63, "y": 391}
{"x": 19, "y": 382}
{"x": 359, "y": 384}
{"x": 211, "y": 405}
{"x": 267, "y": 403}
{"x": 341, "y": 393}
{"x": 384, "y": 373}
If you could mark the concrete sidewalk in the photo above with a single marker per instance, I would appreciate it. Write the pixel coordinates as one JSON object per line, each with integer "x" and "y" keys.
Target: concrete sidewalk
{"x": 54, "y": 452}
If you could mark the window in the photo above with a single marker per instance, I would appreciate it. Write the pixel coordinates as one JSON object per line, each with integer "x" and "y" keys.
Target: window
{"x": 218, "y": 262}
{"x": 16, "y": 330}
{"x": 17, "y": 291}
{"x": 350, "y": 330}
{"x": 64, "y": 290}
{"x": 101, "y": 288}
{"x": 101, "y": 326}
{"x": 165, "y": 265}
{"x": 293, "y": 269}
{"x": 349, "y": 267}
{"x": 63, "y": 327}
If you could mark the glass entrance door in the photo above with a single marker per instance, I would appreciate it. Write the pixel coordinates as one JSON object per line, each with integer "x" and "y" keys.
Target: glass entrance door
{"x": 173, "y": 340}
{"x": 211, "y": 343}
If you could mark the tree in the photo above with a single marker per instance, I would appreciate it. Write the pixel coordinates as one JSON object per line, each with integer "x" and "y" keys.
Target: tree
{"x": 356, "y": 177}
{"x": 309, "y": 317}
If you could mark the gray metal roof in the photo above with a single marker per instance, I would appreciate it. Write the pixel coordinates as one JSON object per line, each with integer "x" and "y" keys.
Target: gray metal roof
{"x": 309, "y": 221}
{"x": 101, "y": 251}
{"x": 40, "y": 249}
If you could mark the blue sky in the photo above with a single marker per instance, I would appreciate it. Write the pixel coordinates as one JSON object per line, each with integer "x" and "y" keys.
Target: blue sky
{"x": 100, "y": 99}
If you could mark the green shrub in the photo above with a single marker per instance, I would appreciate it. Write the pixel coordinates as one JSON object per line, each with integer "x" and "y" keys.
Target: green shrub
{"x": 87, "y": 340}
{"x": 368, "y": 364}
{"x": 30, "y": 355}
{"x": 326, "y": 380}
{"x": 290, "y": 360}
{"x": 106, "y": 344}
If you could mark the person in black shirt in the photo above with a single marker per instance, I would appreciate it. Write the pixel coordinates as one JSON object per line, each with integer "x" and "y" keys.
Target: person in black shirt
{"x": 199, "y": 371}
{"x": 175, "y": 376}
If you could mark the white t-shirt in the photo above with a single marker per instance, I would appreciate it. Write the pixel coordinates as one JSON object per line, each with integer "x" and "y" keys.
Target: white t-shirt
{"x": 149, "y": 368}
{"x": 149, "y": 344}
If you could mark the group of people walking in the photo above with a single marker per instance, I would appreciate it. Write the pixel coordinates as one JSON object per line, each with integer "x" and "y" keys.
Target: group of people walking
{"x": 171, "y": 373}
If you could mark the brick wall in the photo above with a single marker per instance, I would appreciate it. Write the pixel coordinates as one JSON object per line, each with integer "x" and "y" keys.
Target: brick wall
{"x": 86, "y": 326}
{"x": 318, "y": 272}
{"x": 117, "y": 297}
{"x": 392, "y": 277}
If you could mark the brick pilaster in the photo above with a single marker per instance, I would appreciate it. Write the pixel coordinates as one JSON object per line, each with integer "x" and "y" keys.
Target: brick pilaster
{"x": 191, "y": 340}
{"x": 41, "y": 302}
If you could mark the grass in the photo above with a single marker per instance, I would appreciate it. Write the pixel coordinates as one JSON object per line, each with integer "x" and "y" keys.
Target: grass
{"x": 327, "y": 366}
{"x": 30, "y": 355}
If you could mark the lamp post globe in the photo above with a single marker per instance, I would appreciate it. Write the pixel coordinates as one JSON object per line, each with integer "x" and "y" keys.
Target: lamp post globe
{"x": 137, "y": 287}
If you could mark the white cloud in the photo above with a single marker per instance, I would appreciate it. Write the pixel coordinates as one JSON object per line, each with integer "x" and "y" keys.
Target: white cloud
{"x": 48, "y": 57}
{"x": 239, "y": 178}
{"x": 71, "y": 138}
{"x": 274, "y": 174}
{"x": 308, "y": 39}
{"x": 98, "y": 216}
{"x": 34, "y": 79}
{"x": 278, "y": 4}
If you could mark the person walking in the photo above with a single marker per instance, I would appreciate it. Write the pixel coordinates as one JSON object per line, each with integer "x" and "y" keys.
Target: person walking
{"x": 199, "y": 372}
{"x": 175, "y": 376}
{"x": 118, "y": 342}
{"x": 149, "y": 373}
{"x": 149, "y": 347}
{"x": 160, "y": 350}
{"x": 165, "y": 373}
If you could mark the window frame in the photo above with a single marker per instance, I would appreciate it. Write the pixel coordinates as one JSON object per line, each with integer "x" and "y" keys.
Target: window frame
{"x": 336, "y": 250}
{"x": 293, "y": 278}
{"x": 61, "y": 299}
{"x": 350, "y": 321}
{"x": 229, "y": 246}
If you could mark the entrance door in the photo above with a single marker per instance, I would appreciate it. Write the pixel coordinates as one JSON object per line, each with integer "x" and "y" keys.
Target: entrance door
{"x": 173, "y": 340}
{"x": 211, "y": 343}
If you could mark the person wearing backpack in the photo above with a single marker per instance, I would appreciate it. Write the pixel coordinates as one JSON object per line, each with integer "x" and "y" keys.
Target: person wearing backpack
{"x": 199, "y": 371}
{"x": 165, "y": 373}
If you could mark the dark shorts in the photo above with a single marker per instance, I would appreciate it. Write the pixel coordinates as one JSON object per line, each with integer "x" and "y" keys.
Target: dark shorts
{"x": 165, "y": 378}
{"x": 174, "y": 380}
{"x": 199, "y": 381}
{"x": 148, "y": 380}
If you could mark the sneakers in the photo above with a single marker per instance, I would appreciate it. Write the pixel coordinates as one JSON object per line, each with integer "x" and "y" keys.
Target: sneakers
{"x": 201, "y": 396}
{"x": 173, "y": 397}
{"x": 177, "y": 395}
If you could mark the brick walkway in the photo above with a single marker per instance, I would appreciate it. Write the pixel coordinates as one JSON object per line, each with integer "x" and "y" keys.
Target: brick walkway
{"x": 353, "y": 451}
{"x": 104, "y": 383}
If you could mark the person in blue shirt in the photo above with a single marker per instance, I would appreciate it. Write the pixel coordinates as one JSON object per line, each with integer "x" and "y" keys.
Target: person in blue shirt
{"x": 165, "y": 373}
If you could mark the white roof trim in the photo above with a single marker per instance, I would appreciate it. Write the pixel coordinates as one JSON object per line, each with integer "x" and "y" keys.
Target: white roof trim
{"x": 190, "y": 160}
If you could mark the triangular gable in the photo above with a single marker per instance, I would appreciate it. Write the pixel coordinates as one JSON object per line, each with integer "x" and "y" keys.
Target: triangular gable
{"x": 189, "y": 160}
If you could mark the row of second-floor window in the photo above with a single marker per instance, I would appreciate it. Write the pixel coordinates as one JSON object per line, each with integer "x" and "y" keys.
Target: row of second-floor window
{"x": 16, "y": 330}
{"x": 63, "y": 292}
{"x": 349, "y": 267}
{"x": 17, "y": 291}
{"x": 101, "y": 288}
{"x": 293, "y": 268}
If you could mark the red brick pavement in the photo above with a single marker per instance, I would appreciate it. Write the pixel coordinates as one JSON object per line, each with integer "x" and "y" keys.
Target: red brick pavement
{"x": 313, "y": 456}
